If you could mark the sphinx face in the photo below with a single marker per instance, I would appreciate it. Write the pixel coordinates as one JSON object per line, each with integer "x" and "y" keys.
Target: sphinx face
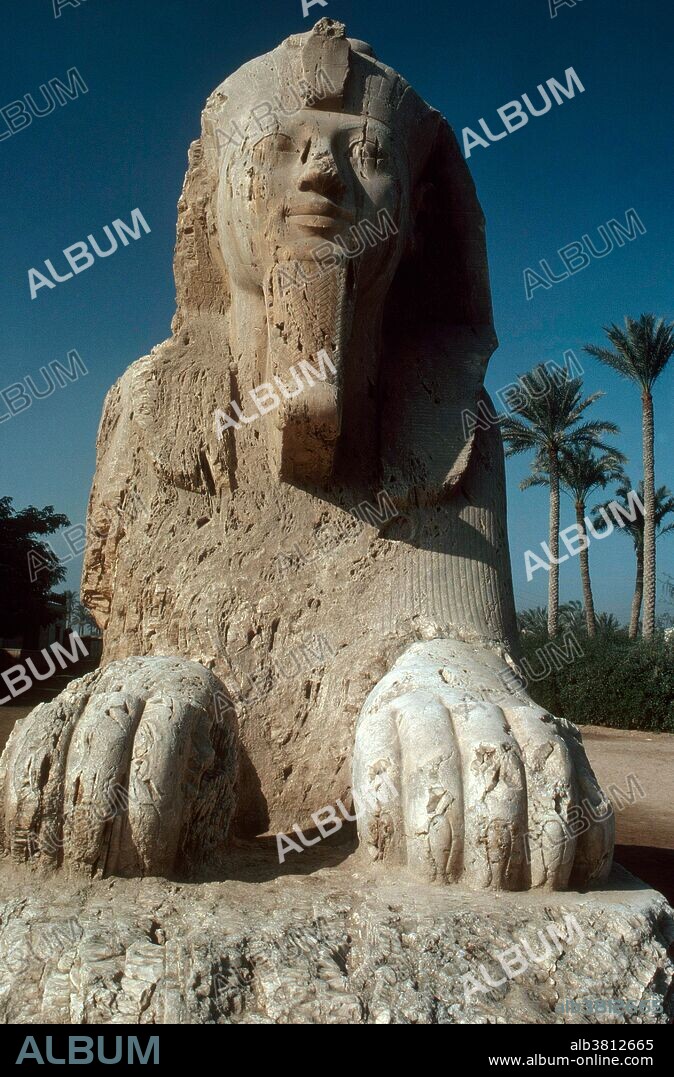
{"x": 312, "y": 211}
{"x": 305, "y": 186}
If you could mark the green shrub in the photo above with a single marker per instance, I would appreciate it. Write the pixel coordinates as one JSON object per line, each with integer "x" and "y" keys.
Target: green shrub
{"x": 626, "y": 684}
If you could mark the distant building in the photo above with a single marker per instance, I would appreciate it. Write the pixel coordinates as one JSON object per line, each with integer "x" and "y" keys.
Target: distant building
{"x": 58, "y": 631}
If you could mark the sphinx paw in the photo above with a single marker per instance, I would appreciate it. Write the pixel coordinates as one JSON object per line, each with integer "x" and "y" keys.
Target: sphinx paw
{"x": 131, "y": 770}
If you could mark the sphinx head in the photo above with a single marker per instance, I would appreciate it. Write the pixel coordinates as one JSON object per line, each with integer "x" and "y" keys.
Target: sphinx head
{"x": 327, "y": 149}
{"x": 325, "y": 187}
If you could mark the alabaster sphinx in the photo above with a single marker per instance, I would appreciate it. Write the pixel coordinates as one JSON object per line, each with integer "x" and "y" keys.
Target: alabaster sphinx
{"x": 338, "y": 233}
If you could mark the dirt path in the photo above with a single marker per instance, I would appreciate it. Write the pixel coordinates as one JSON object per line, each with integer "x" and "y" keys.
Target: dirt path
{"x": 615, "y": 754}
{"x": 637, "y": 767}
{"x": 644, "y": 828}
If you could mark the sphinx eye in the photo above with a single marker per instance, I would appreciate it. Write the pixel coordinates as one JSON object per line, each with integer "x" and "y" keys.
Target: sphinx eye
{"x": 367, "y": 152}
{"x": 275, "y": 142}
{"x": 284, "y": 143}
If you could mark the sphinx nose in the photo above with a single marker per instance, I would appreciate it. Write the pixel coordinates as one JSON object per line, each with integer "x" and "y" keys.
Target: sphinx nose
{"x": 321, "y": 175}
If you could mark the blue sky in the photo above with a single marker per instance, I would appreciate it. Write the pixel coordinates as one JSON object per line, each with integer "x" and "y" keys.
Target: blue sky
{"x": 150, "y": 66}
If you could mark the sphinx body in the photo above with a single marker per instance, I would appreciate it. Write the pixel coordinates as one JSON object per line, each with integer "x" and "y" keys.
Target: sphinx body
{"x": 217, "y": 546}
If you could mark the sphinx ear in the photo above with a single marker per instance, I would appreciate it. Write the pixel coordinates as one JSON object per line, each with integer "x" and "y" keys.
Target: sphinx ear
{"x": 438, "y": 331}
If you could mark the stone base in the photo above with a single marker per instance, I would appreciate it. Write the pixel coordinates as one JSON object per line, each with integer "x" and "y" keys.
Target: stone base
{"x": 317, "y": 941}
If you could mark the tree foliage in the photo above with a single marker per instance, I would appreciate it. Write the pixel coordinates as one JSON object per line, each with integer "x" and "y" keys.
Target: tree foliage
{"x": 29, "y": 569}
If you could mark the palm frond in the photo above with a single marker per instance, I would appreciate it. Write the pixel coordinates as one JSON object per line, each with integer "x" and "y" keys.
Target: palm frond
{"x": 641, "y": 350}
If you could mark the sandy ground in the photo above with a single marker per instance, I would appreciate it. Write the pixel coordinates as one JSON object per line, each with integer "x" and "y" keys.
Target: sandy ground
{"x": 644, "y": 828}
{"x": 615, "y": 754}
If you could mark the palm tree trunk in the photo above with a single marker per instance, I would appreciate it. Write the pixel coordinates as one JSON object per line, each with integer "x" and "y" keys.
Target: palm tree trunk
{"x": 649, "y": 514}
{"x": 638, "y": 593}
{"x": 588, "y": 601}
{"x": 553, "y": 545}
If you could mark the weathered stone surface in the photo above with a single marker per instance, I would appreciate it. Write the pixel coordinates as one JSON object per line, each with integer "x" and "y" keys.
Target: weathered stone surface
{"x": 131, "y": 770}
{"x": 332, "y": 946}
{"x": 494, "y": 791}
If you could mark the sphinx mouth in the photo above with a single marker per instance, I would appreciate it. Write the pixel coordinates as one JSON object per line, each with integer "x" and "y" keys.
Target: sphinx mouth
{"x": 315, "y": 211}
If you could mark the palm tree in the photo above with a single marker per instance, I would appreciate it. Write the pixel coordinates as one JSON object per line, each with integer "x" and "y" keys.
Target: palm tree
{"x": 580, "y": 473}
{"x": 571, "y": 617}
{"x": 664, "y": 505}
{"x": 608, "y": 625}
{"x": 71, "y": 599}
{"x": 547, "y": 423}
{"x": 533, "y": 622}
{"x": 640, "y": 353}
{"x": 83, "y": 620}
